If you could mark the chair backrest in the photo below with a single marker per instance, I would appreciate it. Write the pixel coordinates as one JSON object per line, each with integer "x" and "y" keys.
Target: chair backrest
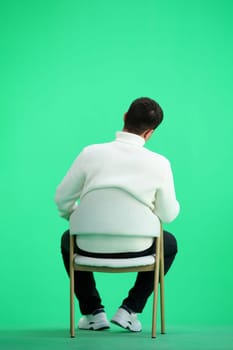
{"x": 113, "y": 211}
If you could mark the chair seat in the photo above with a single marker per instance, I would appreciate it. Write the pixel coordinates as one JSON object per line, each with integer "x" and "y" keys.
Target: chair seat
{"x": 114, "y": 263}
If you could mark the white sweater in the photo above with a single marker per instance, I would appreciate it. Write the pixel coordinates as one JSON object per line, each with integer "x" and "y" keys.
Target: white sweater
{"x": 124, "y": 165}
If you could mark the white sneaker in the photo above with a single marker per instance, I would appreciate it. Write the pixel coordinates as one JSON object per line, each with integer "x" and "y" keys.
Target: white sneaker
{"x": 95, "y": 322}
{"x": 127, "y": 320}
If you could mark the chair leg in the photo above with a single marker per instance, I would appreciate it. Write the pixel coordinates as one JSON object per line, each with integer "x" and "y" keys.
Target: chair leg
{"x": 161, "y": 279}
{"x": 72, "y": 330}
{"x": 156, "y": 282}
{"x": 162, "y": 305}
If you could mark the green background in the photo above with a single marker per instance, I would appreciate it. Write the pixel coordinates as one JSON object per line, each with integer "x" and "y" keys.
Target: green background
{"x": 69, "y": 70}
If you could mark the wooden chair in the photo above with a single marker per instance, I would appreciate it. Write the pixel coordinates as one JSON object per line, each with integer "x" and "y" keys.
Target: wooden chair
{"x": 156, "y": 264}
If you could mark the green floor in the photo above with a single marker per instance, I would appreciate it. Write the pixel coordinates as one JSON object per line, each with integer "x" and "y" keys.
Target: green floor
{"x": 177, "y": 338}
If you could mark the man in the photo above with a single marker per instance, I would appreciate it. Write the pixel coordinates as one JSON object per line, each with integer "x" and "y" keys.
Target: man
{"x": 133, "y": 177}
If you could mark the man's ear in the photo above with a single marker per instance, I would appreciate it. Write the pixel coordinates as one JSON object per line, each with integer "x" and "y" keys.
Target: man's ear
{"x": 147, "y": 134}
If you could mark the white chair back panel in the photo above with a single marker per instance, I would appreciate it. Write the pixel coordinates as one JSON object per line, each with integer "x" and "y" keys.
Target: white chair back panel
{"x": 113, "y": 211}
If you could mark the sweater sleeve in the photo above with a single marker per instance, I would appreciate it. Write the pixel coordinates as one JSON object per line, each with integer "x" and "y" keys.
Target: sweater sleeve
{"x": 70, "y": 188}
{"x": 166, "y": 205}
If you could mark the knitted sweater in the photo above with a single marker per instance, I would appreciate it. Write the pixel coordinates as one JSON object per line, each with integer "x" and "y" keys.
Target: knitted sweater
{"x": 123, "y": 188}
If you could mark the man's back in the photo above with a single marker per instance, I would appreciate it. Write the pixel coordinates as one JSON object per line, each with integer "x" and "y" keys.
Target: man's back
{"x": 124, "y": 189}
{"x": 124, "y": 164}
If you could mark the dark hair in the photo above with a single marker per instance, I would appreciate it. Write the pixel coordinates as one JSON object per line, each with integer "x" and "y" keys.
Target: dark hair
{"x": 143, "y": 114}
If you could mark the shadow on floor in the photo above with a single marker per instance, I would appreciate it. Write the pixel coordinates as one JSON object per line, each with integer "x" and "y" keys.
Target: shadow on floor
{"x": 182, "y": 337}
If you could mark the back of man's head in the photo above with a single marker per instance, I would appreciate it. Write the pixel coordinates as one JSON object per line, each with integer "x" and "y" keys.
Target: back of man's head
{"x": 143, "y": 114}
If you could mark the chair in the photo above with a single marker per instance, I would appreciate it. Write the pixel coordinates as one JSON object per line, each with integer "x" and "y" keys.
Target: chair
{"x": 149, "y": 263}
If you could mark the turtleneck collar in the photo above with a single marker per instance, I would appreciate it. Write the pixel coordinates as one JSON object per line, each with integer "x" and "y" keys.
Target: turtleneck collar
{"x": 127, "y": 137}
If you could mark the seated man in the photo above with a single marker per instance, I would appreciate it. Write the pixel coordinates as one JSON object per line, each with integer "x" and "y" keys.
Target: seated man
{"x": 132, "y": 177}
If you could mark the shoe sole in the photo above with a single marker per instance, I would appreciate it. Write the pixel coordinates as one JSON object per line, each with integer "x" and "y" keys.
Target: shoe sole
{"x": 95, "y": 328}
{"x": 124, "y": 325}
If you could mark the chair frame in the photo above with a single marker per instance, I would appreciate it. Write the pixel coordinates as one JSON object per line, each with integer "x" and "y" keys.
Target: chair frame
{"x": 157, "y": 267}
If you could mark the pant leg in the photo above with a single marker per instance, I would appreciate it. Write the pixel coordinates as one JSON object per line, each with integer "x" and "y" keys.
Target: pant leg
{"x": 144, "y": 283}
{"x": 84, "y": 282}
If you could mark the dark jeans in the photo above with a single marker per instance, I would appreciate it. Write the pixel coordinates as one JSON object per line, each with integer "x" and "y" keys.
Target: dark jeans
{"x": 85, "y": 286}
